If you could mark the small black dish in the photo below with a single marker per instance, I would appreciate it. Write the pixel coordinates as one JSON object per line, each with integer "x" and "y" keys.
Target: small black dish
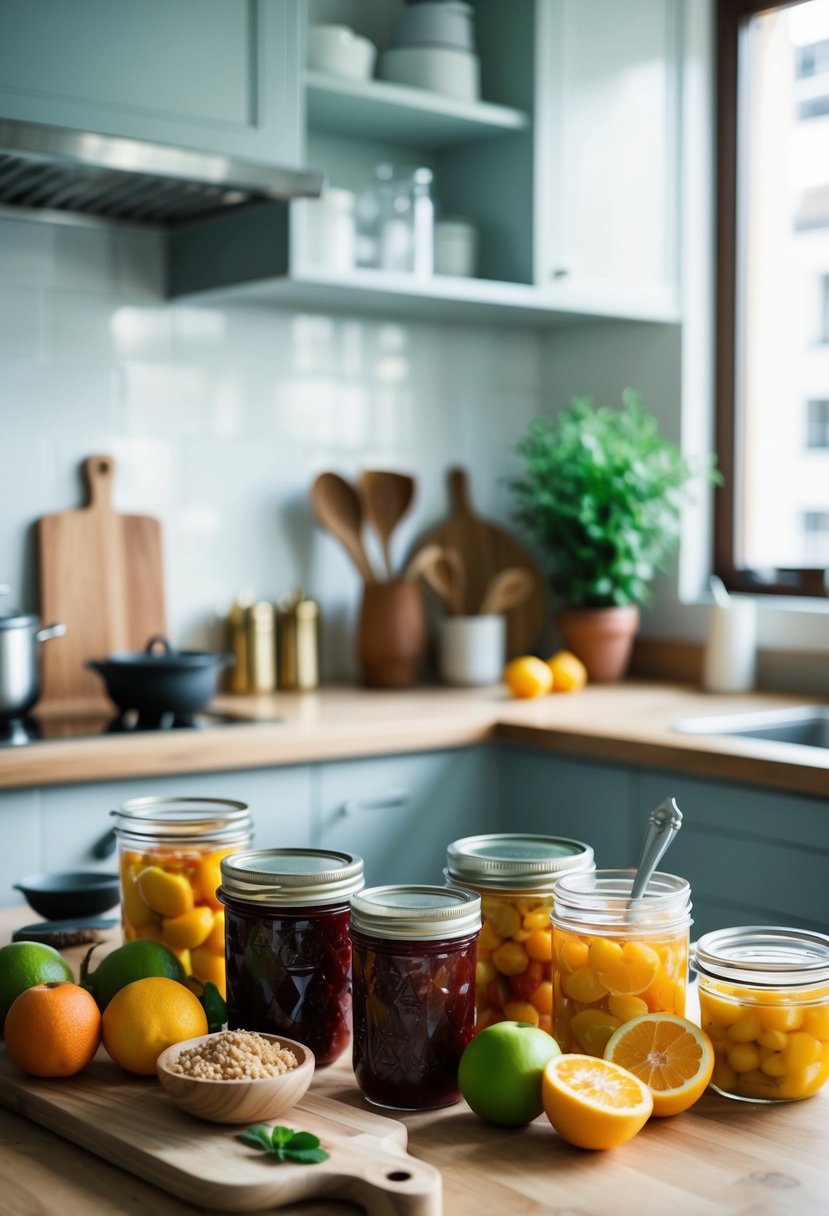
{"x": 69, "y": 894}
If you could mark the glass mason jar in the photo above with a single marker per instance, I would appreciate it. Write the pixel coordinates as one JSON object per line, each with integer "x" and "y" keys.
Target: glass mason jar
{"x": 764, "y": 1003}
{"x": 515, "y": 875}
{"x": 287, "y": 945}
{"x": 169, "y": 855}
{"x": 414, "y": 992}
{"x": 614, "y": 960}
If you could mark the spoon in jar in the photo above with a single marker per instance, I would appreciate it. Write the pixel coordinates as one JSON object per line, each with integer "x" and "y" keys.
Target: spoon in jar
{"x": 663, "y": 824}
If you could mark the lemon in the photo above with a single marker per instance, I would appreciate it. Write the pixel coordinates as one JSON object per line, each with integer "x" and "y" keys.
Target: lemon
{"x": 146, "y": 1018}
{"x": 25, "y": 964}
{"x": 136, "y": 960}
{"x": 528, "y": 676}
{"x": 569, "y": 673}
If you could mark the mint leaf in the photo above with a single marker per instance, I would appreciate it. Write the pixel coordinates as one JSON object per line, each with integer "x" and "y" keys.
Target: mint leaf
{"x": 302, "y": 1140}
{"x": 281, "y": 1135}
{"x": 306, "y": 1156}
{"x": 257, "y": 1137}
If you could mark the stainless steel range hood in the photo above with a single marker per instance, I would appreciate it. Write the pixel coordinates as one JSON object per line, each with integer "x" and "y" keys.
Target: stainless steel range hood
{"x": 128, "y": 179}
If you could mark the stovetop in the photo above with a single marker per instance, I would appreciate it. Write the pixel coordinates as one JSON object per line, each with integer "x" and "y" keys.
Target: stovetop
{"x": 21, "y": 732}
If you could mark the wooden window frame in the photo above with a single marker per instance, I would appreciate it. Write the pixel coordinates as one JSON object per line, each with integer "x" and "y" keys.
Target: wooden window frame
{"x": 732, "y": 17}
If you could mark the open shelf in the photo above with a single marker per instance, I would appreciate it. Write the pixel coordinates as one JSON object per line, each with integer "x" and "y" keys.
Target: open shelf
{"x": 377, "y": 110}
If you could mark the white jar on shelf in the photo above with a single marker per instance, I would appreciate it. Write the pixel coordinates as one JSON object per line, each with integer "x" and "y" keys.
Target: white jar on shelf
{"x": 325, "y": 232}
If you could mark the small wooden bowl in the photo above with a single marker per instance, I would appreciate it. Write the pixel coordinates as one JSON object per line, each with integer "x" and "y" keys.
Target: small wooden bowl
{"x": 242, "y": 1101}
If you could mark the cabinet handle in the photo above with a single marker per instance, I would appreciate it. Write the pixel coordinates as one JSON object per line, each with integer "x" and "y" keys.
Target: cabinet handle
{"x": 397, "y": 800}
{"x": 559, "y": 272}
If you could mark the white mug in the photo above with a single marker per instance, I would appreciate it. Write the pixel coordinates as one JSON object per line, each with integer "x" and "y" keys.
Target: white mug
{"x": 729, "y": 659}
{"x": 472, "y": 649}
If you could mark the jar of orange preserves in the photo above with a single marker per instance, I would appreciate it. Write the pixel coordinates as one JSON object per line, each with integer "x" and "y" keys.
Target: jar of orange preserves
{"x": 615, "y": 959}
{"x": 515, "y": 875}
{"x": 764, "y": 1003}
{"x": 169, "y": 855}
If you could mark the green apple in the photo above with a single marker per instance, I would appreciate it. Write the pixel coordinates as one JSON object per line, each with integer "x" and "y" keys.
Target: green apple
{"x": 501, "y": 1069}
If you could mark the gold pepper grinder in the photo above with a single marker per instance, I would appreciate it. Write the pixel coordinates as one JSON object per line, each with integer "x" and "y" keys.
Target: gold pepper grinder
{"x": 298, "y": 643}
{"x": 261, "y": 641}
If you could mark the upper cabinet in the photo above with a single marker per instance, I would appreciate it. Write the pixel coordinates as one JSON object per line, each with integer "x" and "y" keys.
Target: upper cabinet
{"x": 608, "y": 151}
{"x": 212, "y": 75}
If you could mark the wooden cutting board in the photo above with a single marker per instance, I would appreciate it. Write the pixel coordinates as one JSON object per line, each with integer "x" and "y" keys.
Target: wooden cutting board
{"x": 132, "y": 1123}
{"x": 486, "y": 549}
{"x": 101, "y": 574}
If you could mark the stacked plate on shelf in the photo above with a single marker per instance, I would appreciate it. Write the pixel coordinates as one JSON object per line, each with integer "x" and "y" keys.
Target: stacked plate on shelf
{"x": 433, "y": 47}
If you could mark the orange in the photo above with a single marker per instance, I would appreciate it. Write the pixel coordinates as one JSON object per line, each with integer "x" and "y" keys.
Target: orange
{"x": 672, "y": 1056}
{"x": 594, "y": 1103}
{"x": 146, "y": 1017}
{"x": 569, "y": 673}
{"x": 528, "y": 676}
{"x": 53, "y": 1030}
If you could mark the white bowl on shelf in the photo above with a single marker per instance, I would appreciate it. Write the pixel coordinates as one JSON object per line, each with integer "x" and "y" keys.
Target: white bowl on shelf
{"x": 339, "y": 51}
{"x": 440, "y": 69}
{"x": 447, "y": 23}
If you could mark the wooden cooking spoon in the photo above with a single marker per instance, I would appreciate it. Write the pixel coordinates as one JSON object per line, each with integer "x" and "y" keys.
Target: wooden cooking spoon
{"x": 337, "y": 507}
{"x": 443, "y": 570}
{"x": 387, "y": 497}
{"x": 506, "y": 590}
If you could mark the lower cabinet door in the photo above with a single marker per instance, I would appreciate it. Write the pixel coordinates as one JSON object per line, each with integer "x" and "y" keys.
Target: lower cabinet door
{"x": 400, "y": 812}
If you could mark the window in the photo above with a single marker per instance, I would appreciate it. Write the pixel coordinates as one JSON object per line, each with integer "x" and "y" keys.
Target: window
{"x": 772, "y": 517}
{"x": 817, "y": 424}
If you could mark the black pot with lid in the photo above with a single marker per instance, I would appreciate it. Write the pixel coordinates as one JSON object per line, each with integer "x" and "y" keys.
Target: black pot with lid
{"x": 160, "y": 680}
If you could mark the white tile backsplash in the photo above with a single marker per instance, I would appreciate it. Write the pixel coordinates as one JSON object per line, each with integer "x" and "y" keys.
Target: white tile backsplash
{"x": 219, "y": 418}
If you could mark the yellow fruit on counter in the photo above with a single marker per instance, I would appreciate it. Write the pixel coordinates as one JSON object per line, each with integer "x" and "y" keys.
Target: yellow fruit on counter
{"x": 569, "y": 673}
{"x": 528, "y": 676}
{"x": 148, "y": 1016}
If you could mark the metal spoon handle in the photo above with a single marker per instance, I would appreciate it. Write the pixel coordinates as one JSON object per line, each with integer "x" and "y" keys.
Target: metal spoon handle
{"x": 663, "y": 825}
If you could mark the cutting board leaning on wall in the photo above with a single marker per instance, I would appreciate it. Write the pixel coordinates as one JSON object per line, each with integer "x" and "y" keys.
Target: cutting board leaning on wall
{"x": 101, "y": 574}
{"x": 486, "y": 549}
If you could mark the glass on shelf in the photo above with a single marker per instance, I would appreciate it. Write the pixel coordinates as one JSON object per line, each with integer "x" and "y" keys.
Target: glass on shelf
{"x": 395, "y": 218}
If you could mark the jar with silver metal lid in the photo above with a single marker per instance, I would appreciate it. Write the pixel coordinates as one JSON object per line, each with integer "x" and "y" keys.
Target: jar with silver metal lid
{"x": 414, "y": 992}
{"x": 515, "y": 875}
{"x": 764, "y": 1003}
{"x": 288, "y": 950}
{"x": 169, "y": 855}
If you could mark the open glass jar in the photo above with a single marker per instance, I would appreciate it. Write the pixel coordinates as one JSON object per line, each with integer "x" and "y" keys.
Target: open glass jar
{"x": 169, "y": 855}
{"x": 515, "y": 875}
{"x": 288, "y": 951}
{"x": 615, "y": 959}
{"x": 764, "y": 1003}
{"x": 414, "y": 992}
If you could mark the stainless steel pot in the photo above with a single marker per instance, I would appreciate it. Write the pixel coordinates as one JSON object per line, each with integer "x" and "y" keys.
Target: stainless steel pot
{"x": 20, "y": 638}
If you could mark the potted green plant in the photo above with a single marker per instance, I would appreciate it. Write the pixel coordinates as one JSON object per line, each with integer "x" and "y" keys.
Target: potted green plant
{"x": 601, "y": 498}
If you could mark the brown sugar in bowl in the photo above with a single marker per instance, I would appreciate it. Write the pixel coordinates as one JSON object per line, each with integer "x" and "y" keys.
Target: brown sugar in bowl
{"x": 236, "y": 1100}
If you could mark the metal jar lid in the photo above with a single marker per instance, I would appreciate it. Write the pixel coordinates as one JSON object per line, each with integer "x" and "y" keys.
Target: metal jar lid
{"x": 764, "y": 956}
{"x": 510, "y": 860}
{"x": 184, "y": 820}
{"x": 291, "y": 877}
{"x": 414, "y": 913}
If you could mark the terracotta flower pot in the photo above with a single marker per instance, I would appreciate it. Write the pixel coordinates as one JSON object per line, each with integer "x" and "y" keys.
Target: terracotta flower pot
{"x": 602, "y": 638}
{"x": 391, "y": 636}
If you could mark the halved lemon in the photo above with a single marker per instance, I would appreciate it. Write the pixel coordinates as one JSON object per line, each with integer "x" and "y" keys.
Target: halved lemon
{"x": 594, "y": 1103}
{"x": 671, "y": 1055}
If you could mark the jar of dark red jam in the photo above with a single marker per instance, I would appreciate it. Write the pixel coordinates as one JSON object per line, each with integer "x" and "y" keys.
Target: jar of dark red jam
{"x": 414, "y": 992}
{"x": 287, "y": 945}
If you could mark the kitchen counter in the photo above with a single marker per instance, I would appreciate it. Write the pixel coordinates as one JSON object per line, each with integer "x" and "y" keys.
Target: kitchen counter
{"x": 628, "y": 722}
{"x": 720, "y": 1158}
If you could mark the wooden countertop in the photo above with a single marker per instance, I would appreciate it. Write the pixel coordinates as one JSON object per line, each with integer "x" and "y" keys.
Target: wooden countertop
{"x": 627, "y": 723}
{"x": 723, "y": 1158}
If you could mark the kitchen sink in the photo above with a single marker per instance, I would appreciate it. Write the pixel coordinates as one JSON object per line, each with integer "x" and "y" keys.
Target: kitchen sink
{"x": 807, "y": 725}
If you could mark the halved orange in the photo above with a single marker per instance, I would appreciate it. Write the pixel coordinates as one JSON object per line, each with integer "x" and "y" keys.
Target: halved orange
{"x": 671, "y": 1055}
{"x": 594, "y": 1103}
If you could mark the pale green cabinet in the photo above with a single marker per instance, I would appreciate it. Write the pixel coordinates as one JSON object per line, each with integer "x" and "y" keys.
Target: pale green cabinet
{"x": 400, "y": 812}
{"x": 215, "y": 75}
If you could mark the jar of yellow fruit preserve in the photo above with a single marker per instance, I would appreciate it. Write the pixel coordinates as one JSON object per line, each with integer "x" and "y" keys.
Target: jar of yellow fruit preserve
{"x": 169, "y": 855}
{"x": 764, "y": 1003}
{"x": 515, "y": 875}
{"x": 615, "y": 959}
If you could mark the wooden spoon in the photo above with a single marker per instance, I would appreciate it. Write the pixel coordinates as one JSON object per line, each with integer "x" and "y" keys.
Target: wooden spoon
{"x": 387, "y": 498}
{"x": 337, "y": 507}
{"x": 443, "y": 570}
{"x": 506, "y": 590}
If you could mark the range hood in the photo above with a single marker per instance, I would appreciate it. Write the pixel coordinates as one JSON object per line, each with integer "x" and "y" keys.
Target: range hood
{"x": 128, "y": 179}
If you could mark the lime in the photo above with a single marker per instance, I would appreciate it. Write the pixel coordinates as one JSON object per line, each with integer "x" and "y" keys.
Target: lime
{"x": 137, "y": 960}
{"x": 24, "y": 964}
{"x": 501, "y": 1070}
